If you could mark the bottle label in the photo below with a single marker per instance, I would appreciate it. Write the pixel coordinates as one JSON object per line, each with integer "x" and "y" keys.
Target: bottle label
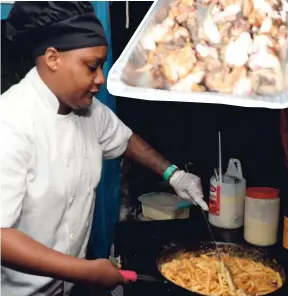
{"x": 214, "y": 200}
{"x": 285, "y": 234}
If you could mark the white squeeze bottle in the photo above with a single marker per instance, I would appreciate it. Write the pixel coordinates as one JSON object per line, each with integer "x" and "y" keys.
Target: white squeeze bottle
{"x": 227, "y": 197}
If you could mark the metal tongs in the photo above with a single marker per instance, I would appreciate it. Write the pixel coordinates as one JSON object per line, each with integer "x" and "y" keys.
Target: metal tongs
{"x": 224, "y": 270}
{"x": 205, "y": 218}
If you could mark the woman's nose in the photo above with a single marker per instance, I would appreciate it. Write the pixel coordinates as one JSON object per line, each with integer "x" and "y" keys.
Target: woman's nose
{"x": 100, "y": 78}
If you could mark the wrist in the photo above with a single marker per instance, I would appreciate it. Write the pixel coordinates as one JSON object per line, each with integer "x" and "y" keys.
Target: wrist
{"x": 86, "y": 272}
{"x": 169, "y": 172}
{"x": 75, "y": 270}
{"x": 93, "y": 272}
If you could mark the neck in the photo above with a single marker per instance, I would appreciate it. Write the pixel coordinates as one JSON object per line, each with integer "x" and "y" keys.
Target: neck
{"x": 49, "y": 81}
{"x": 63, "y": 109}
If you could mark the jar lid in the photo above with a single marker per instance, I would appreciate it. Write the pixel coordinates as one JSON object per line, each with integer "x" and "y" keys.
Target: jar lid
{"x": 262, "y": 192}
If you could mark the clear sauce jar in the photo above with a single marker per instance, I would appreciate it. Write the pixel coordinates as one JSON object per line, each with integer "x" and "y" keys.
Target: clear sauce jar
{"x": 262, "y": 205}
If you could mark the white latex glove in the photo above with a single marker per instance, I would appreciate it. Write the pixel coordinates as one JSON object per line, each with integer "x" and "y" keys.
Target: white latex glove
{"x": 188, "y": 186}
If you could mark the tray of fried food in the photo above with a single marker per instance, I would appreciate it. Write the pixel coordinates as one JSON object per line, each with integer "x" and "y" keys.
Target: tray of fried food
{"x": 237, "y": 46}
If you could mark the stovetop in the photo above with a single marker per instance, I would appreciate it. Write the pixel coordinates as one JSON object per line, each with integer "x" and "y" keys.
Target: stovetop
{"x": 139, "y": 243}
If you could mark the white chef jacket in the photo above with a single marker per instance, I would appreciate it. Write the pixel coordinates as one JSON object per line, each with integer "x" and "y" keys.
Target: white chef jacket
{"x": 50, "y": 165}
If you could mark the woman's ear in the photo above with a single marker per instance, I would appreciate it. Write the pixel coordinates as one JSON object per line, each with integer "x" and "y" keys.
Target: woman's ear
{"x": 52, "y": 58}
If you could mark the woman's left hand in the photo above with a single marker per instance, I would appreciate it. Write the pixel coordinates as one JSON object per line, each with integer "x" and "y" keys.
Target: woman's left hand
{"x": 188, "y": 186}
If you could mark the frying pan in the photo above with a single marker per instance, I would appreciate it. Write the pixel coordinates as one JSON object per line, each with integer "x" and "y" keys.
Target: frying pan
{"x": 231, "y": 249}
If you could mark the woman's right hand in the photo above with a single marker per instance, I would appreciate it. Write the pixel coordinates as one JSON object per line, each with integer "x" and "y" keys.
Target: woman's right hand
{"x": 102, "y": 272}
{"x": 26, "y": 255}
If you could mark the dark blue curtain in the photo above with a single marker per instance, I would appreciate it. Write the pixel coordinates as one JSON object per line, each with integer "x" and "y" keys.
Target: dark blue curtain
{"x": 5, "y": 9}
{"x": 109, "y": 189}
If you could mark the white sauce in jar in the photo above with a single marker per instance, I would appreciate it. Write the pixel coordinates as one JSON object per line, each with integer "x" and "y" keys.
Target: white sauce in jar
{"x": 261, "y": 220}
{"x": 260, "y": 233}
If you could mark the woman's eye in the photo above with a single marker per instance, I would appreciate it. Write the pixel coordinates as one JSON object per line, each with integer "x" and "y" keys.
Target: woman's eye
{"x": 92, "y": 68}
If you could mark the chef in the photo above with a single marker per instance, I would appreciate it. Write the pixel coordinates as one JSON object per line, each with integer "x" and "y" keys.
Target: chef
{"x": 54, "y": 135}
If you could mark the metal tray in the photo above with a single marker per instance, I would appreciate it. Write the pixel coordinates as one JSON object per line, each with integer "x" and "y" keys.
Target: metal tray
{"x": 124, "y": 81}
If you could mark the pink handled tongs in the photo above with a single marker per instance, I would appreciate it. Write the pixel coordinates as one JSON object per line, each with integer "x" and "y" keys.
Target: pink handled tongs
{"x": 132, "y": 276}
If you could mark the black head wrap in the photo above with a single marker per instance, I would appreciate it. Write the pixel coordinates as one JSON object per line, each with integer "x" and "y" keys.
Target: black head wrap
{"x": 64, "y": 25}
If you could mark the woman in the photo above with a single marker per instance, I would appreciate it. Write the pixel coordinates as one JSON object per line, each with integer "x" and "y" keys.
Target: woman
{"x": 54, "y": 135}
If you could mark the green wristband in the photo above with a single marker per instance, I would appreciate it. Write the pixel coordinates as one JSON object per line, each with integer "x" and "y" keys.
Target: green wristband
{"x": 169, "y": 171}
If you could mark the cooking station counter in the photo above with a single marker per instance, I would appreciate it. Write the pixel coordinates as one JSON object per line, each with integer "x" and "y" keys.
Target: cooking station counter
{"x": 139, "y": 243}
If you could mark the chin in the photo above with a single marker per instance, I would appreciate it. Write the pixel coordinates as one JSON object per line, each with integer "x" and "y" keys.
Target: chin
{"x": 82, "y": 109}
{"x": 84, "y": 104}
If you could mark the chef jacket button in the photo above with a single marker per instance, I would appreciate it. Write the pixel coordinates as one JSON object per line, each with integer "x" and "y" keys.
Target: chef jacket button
{"x": 89, "y": 189}
{"x": 87, "y": 224}
{"x": 72, "y": 236}
{"x": 71, "y": 200}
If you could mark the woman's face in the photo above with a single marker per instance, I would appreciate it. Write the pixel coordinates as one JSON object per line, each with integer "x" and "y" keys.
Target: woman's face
{"x": 78, "y": 75}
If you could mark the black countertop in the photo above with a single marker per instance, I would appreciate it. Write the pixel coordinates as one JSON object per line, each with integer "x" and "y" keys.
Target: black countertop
{"x": 139, "y": 243}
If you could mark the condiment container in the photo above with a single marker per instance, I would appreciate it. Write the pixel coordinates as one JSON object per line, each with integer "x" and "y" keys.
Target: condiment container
{"x": 164, "y": 206}
{"x": 262, "y": 205}
{"x": 227, "y": 196}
